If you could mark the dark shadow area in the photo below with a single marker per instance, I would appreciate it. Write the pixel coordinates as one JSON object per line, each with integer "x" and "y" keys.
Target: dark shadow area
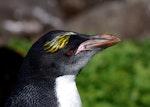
{"x": 10, "y": 62}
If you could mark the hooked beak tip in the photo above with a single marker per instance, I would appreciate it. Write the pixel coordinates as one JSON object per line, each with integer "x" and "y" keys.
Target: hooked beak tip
{"x": 111, "y": 37}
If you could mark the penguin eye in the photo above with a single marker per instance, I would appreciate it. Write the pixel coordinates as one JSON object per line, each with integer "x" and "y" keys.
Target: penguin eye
{"x": 70, "y": 53}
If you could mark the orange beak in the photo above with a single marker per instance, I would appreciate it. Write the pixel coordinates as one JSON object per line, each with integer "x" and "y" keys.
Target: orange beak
{"x": 98, "y": 42}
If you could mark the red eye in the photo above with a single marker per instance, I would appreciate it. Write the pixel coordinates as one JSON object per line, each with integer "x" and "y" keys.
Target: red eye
{"x": 70, "y": 53}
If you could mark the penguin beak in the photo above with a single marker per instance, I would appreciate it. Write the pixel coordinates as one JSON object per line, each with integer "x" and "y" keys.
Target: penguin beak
{"x": 98, "y": 42}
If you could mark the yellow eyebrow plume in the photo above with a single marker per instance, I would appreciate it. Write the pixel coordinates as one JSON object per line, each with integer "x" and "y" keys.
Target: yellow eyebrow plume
{"x": 57, "y": 43}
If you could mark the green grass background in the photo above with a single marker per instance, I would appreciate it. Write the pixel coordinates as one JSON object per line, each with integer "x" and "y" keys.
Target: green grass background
{"x": 117, "y": 77}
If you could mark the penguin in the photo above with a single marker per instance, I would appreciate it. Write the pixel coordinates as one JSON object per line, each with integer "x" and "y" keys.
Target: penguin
{"x": 48, "y": 72}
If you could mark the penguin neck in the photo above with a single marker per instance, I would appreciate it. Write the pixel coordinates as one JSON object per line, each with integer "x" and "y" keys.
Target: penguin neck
{"x": 66, "y": 91}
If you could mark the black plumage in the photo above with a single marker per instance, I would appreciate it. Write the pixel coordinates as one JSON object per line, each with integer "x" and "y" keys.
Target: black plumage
{"x": 56, "y": 54}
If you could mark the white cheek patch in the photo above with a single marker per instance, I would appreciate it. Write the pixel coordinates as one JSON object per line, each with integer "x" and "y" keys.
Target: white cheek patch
{"x": 66, "y": 92}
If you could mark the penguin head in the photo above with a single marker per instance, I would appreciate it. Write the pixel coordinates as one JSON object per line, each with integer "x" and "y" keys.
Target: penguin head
{"x": 61, "y": 53}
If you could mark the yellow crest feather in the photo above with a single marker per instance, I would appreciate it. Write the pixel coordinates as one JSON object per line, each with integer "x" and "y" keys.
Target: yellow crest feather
{"x": 57, "y": 43}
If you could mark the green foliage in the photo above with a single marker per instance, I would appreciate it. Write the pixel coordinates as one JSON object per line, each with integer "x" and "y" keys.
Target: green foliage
{"x": 117, "y": 77}
{"x": 19, "y": 45}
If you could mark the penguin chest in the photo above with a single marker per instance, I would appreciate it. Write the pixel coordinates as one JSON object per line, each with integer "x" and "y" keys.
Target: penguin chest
{"x": 66, "y": 92}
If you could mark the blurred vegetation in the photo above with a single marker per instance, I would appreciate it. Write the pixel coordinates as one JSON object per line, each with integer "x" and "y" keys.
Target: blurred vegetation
{"x": 19, "y": 45}
{"x": 117, "y": 77}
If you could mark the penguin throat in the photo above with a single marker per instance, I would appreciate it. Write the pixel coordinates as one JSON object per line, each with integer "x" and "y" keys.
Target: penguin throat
{"x": 66, "y": 92}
